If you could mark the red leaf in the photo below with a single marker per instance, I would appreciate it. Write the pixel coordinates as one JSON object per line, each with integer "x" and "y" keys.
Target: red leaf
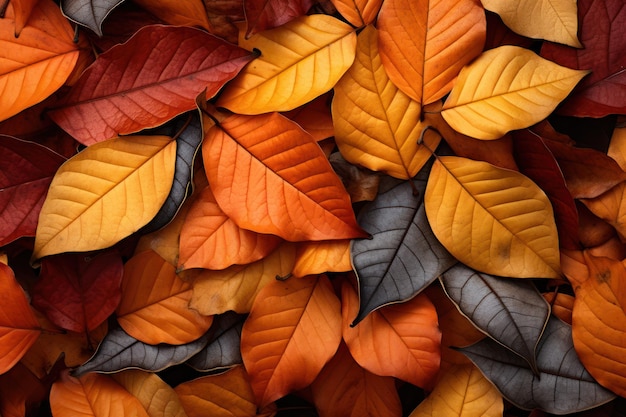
{"x": 603, "y": 92}
{"x": 26, "y": 170}
{"x": 78, "y": 292}
{"x": 267, "y": 14}
{"x": 147, "y": 81}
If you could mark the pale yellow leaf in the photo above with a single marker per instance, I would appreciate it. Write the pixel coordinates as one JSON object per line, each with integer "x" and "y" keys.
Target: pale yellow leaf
{"x": 551, "y": 20}
{"x": 492, "y": 219}
{"x": 105, "y": 193}
{"x": 506, "y": 88}
{"x": 299, "y": 61}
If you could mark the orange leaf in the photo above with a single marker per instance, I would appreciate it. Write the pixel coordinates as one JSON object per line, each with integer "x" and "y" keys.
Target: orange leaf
{"x": 270, "y": 176}
{"x": 319, "y": 257}
{"x": 358, "y": 12}
{"x": 23, "y": 9}
{"x": 92, "y": 395}
{"x": 425, "y": 43}
{"x": 210, "y": 239}
{"x": 343, "y": 388}
{"x": 180, "y": 13}
{"x": 155, "y": 303}
{"x": 19, "y": 328}
{"x": 156, "y": 397}
{"x": 293, "y": 330}
{"x": 399, "y": 340}
{"x": 37, "y": 63}
{"x": 562, "y": 305}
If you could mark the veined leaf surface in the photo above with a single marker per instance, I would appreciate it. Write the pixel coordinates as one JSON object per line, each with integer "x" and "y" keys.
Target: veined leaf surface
{"x": 223, "y": 350}
{"x": 100, "y": 196}
{"x": 358, "y": 12}
{"x": 299, "y": 61}
{"x": 494, "y": 220}
{"x": 89, "y": 13}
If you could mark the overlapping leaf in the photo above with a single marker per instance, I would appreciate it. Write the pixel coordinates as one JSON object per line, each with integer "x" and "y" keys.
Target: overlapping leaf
{"x": 26, "y": 170}
{"x": 267, "y": 14}
{"x": 522, "y": 89}
{"x": 277, "y": 335}
{"x": 494, "y": 220}
{"x": 156, "y": 397}
{"x": 375, "y": 122}
{"x": 88, "y": 13}
{"x": 22, "y": 9}
{"x": 358, "y": 12}
{"x": 270, "y": 176}
{"x": 403, "y": 256}
{"x": 561, "y": 379}
{"x": 424, "y": 44}
{"x": 158, "y": 73}
{"x": 119, "y": 351}
{"x": 223, "y": 349}
{"x": 319, "y": 257}
{"x": 155, "y": 303}
{"x": 38, "y": 62}
{"x": 299, "y": 61}
{"x": 512, "y": 312}
{"x": 96, "y": 197}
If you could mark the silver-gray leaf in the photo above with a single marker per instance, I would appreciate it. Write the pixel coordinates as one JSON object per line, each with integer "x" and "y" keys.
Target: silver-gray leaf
{"x": 223, "y": 349}
{"x": 89, "y": 13}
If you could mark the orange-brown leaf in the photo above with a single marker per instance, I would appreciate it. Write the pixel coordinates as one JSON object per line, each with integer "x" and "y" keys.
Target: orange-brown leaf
{"x": 181, "y": 13}
{"x": 20, "y": 388}
{"x": 293, "y": 330}
{"x": 23, "y": 9}
{"x": 562, "y": 305}
{"x": 358, "y": 12}
{"x": 155, "y": 303}
{"x": 319, "y": 257}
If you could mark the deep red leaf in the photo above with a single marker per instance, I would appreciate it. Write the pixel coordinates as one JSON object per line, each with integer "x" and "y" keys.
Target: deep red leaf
{"x": 26, "y": 170}
{"x": 147, "y": 81}
{"x": 601, "y": 31}
{"x": 79, "y": 291}
{"x": 267, "y": 14}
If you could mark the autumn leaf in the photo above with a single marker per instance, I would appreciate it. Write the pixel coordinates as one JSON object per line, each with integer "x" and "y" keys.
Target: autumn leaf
{"x": 155, "y": 62}
{"x": 188, "y": 13}
{"x": 522, "y": 89}
{"x": 358, "y": 12}
{"x": 277, "y": 334}
{"x": 223, "y": 349}
{"x": 267, "y": 14}
{"x": 506, "y": 225}
{"x": 314, "y": 258}
{"x": 294, "y": 67}
{"x": 88, "y": 14}
{"x": 424, "y": 44}
{"x": 156, "y": 397}
{"x": 21, "y": 390}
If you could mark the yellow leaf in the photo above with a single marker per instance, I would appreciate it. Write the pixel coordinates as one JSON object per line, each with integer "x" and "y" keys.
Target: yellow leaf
{"x": 156, "y": 397}
{"x": 299, "y": 61}
{"x": 322, "y": 256}
{"x": 506, "y": 88}
{"x": 234, "y": 288}
{"x": 462, "y": 391}
{"x": 552, "y": 20}
{"x": 375, "y": 122}
{"x": 105, "y": 193}
{"x": 492, "y": 219}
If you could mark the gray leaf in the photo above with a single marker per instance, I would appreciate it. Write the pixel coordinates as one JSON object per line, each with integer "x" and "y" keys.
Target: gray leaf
{"x": 512, "y": 312}
{"x": 563, "y": 386}
{"x": 119, "y": 351}
{"x": 222, "y": 351}
{"x": 403, "y": 256}
{"x": 89, "y": 13}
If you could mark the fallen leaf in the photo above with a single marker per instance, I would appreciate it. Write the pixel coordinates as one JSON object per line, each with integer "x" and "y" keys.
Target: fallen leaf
{"x": 87, "y": 13}
{"x": 20, "y": 390}
{"x": 156, "y": 397}
{"x": 267, "y": 14}
{"x": 358, "y": 12}
{"x": 22, "y": 9}
{"x": 314, "y": 258}
{"x": 187, "y": 13}
{"x": 223, "y": 349}
{"x": 315, "y": 117}
{"x": 561, "y": 305}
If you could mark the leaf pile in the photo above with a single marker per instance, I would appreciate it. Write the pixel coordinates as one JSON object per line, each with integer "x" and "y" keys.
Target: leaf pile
{"x": 291, "y": 207}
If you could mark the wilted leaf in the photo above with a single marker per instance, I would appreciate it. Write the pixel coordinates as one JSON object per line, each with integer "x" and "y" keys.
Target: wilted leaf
{"x": 235, "y": 288}
{"x": 223, "y": 349}
{"x": 26, "y": 170}
{"x": 400, "y": 340}
{"x": 358, "y": 12}
{"x": 506, "y": 88}
{"x": 267, "y": 14}
{"x": 424, "y": 44}
{"x": 494, "y": 220}
{"x": 512, "y": 312}
{"x": 93, "y": 395}
{"x": 319, "y": 257}
{"x": 156, "y": 397}
{"x": 403, "y": 256}
{"x": 99, "y": 196}
{"x": 343, "y": 388}
{"x": 155, "y": 303}
{"x": 552, "y": 20}
{"x": 78, "y": 292}
{"x": 35, "y": 64}
{"x": 179, "y": 13}
{"x": 120, "y": 351}
{"x": 462, "y": 391}
{"x": 158, "y": 73}
{"x": 212, "y": 240}
{"x": 89, "y": 13}
{"x": 375, "y": 122}
{"x": 603, "y": 92}
{"x": 299, "y": 61}
{"x": 270, "y": 176}
{"x": 561, "y": 380}
{"x": 277, "y": 335}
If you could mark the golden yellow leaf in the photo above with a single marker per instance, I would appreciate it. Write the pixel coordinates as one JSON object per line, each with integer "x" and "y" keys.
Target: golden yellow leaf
{"x": 156, "y": 397}
{"x": 462, "y": 391}
{"x": 375, "y": 122}
{"x": 358, "y": 12}
{"x": 323, "y": 256}
{"x": 299, "y": 61}
{"x": 506, "y": 88}
{"x": 492, "y": 219}
{"x": 617, "y": 147}
{"x": 552, "y": 20}
{"x": 234, "y": 288}
{"x": 105, "y": 193}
